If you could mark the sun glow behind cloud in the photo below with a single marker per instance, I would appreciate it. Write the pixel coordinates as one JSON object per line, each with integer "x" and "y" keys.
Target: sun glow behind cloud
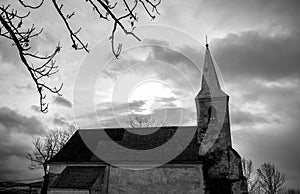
{"x": 151, "y": 91}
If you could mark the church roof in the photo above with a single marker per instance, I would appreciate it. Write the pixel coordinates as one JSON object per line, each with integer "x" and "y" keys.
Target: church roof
{"x": 76, "y": 151}
{"x": 210, "y": 86}
{"x": 78, "y": 177}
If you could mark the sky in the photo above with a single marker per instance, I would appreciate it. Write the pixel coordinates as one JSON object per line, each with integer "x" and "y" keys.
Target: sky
{"x": 255, "y": 45}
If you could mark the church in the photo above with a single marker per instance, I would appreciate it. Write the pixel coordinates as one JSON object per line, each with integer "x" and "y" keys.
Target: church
{"x": 207, "y": 165}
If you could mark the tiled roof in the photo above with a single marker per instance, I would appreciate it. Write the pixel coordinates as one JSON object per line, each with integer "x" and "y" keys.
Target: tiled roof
{"x": 76, "y": 151}
{"x": 79, "y": 177}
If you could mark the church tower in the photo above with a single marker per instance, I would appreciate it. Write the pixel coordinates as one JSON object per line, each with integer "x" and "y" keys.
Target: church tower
{"x": 222, "y": 166}
{"x": 212, "y": 109}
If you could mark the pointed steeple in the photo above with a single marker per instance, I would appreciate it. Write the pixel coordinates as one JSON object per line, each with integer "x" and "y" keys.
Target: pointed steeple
{"x": 210, "y": 86}
{"x": 212, "y": 108}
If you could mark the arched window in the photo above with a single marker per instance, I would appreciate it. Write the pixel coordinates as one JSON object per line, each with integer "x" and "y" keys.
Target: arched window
{"x": 212, "y": 114}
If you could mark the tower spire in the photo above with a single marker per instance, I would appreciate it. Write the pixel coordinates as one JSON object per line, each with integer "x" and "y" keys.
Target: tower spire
{"x": 210, "y": 86}
{"x": 212, "y": 107}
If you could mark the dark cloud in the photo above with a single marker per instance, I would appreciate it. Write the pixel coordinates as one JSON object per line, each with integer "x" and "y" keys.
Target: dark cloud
{"x": 115, "y": 115}
{"x": 109, "y": 114}
{"x": 62, "y": 101}
{"x": 60, "y": 121}
{"x": 255, "y": 55}
{"x": 36, "y": 108}
{"x": 9, "y": 147}
{"x": 167, "y": 102}
{"x": 277, "y": 144}
{"x": 269, "y": 128}
{"x": 261, "y": 69}
{"x": 165, "y": 99}
{"x": 185, "y": 64}
{"x": 15, "y": 134}
{"x": 279, "y": 98}
{"x": 174, "y": 116}
{"x": 161, "y": 116}
{"x": 233, "y": 14}
{"x": 109, "y": 109}
{"x": 12, "y": 121}
{"x": 246, "y": 118}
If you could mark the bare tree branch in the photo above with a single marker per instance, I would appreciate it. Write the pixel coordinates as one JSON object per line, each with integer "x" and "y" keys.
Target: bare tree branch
{"x": 44, "y": 148}
{"x": 271, "y": 181}
{"x": 77, "y": 44}
{"x": 140, "y": 121}
{"x": 47, "y": 146}
{"x": 12, "y": 28}
{"x": 31, "y": 6}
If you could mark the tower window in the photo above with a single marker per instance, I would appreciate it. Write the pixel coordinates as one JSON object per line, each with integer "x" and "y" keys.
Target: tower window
{"x": 212, "y": 114}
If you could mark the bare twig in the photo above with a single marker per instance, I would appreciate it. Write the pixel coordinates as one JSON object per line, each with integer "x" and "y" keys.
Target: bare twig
{"x": 77, "y": 44}
{"x": 12, "y": 29}
{"x": 31, "y": 6}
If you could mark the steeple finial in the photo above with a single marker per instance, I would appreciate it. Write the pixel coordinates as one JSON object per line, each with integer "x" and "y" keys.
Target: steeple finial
{"x": 206, "y": 41}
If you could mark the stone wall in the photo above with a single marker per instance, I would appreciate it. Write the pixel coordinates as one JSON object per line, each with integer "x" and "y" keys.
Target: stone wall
{"x": 164, "y": 180}
{"x": 223, "y": 172}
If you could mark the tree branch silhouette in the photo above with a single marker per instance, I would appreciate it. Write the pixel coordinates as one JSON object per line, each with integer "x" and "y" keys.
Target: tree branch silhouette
{"x": 44, "y": 148}
{"x": 12, "y": 28}
{"x": 42, "y": 67}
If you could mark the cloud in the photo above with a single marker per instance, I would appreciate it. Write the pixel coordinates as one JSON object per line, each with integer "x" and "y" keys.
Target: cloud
{"x": 35, "y": 108}
{"x": 246, "y": 118}
{"x": 261, "y": 73}
{"x": 12, "y": 121}
{"x": 177, "y": 66}
{"x": 277, "y": 143}
{"x": 60, "y": 121}
{"x": 16, "y": 131}
{"x": 10, "y": 147}
{"x": 108, "y": 109}
{"x": 115, "y": 114}
{"x": 167, "y": 102}
{"x": 109, "y": 114}
{"x": 62, "y": 101}
{"x": 253, "y": 54}
{"x": 184, "y": 64}
{"x": 174, "y": 116}
{"x": 266, "y": 114}
{"x": 165, "y": 116}
{"x": 220, "y": 17}
{"x": 8, "y": 53}
{"x": 23, "y": 87}
{"x": 258, "y": 55}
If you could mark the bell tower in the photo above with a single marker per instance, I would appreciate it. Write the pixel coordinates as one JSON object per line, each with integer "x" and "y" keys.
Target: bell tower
{"x": 222, "y": 166}
{"x": 212, "y": 109}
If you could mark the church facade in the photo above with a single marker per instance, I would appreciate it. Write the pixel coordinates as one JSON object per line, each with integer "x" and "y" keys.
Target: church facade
{"x": 208, "y": 165}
